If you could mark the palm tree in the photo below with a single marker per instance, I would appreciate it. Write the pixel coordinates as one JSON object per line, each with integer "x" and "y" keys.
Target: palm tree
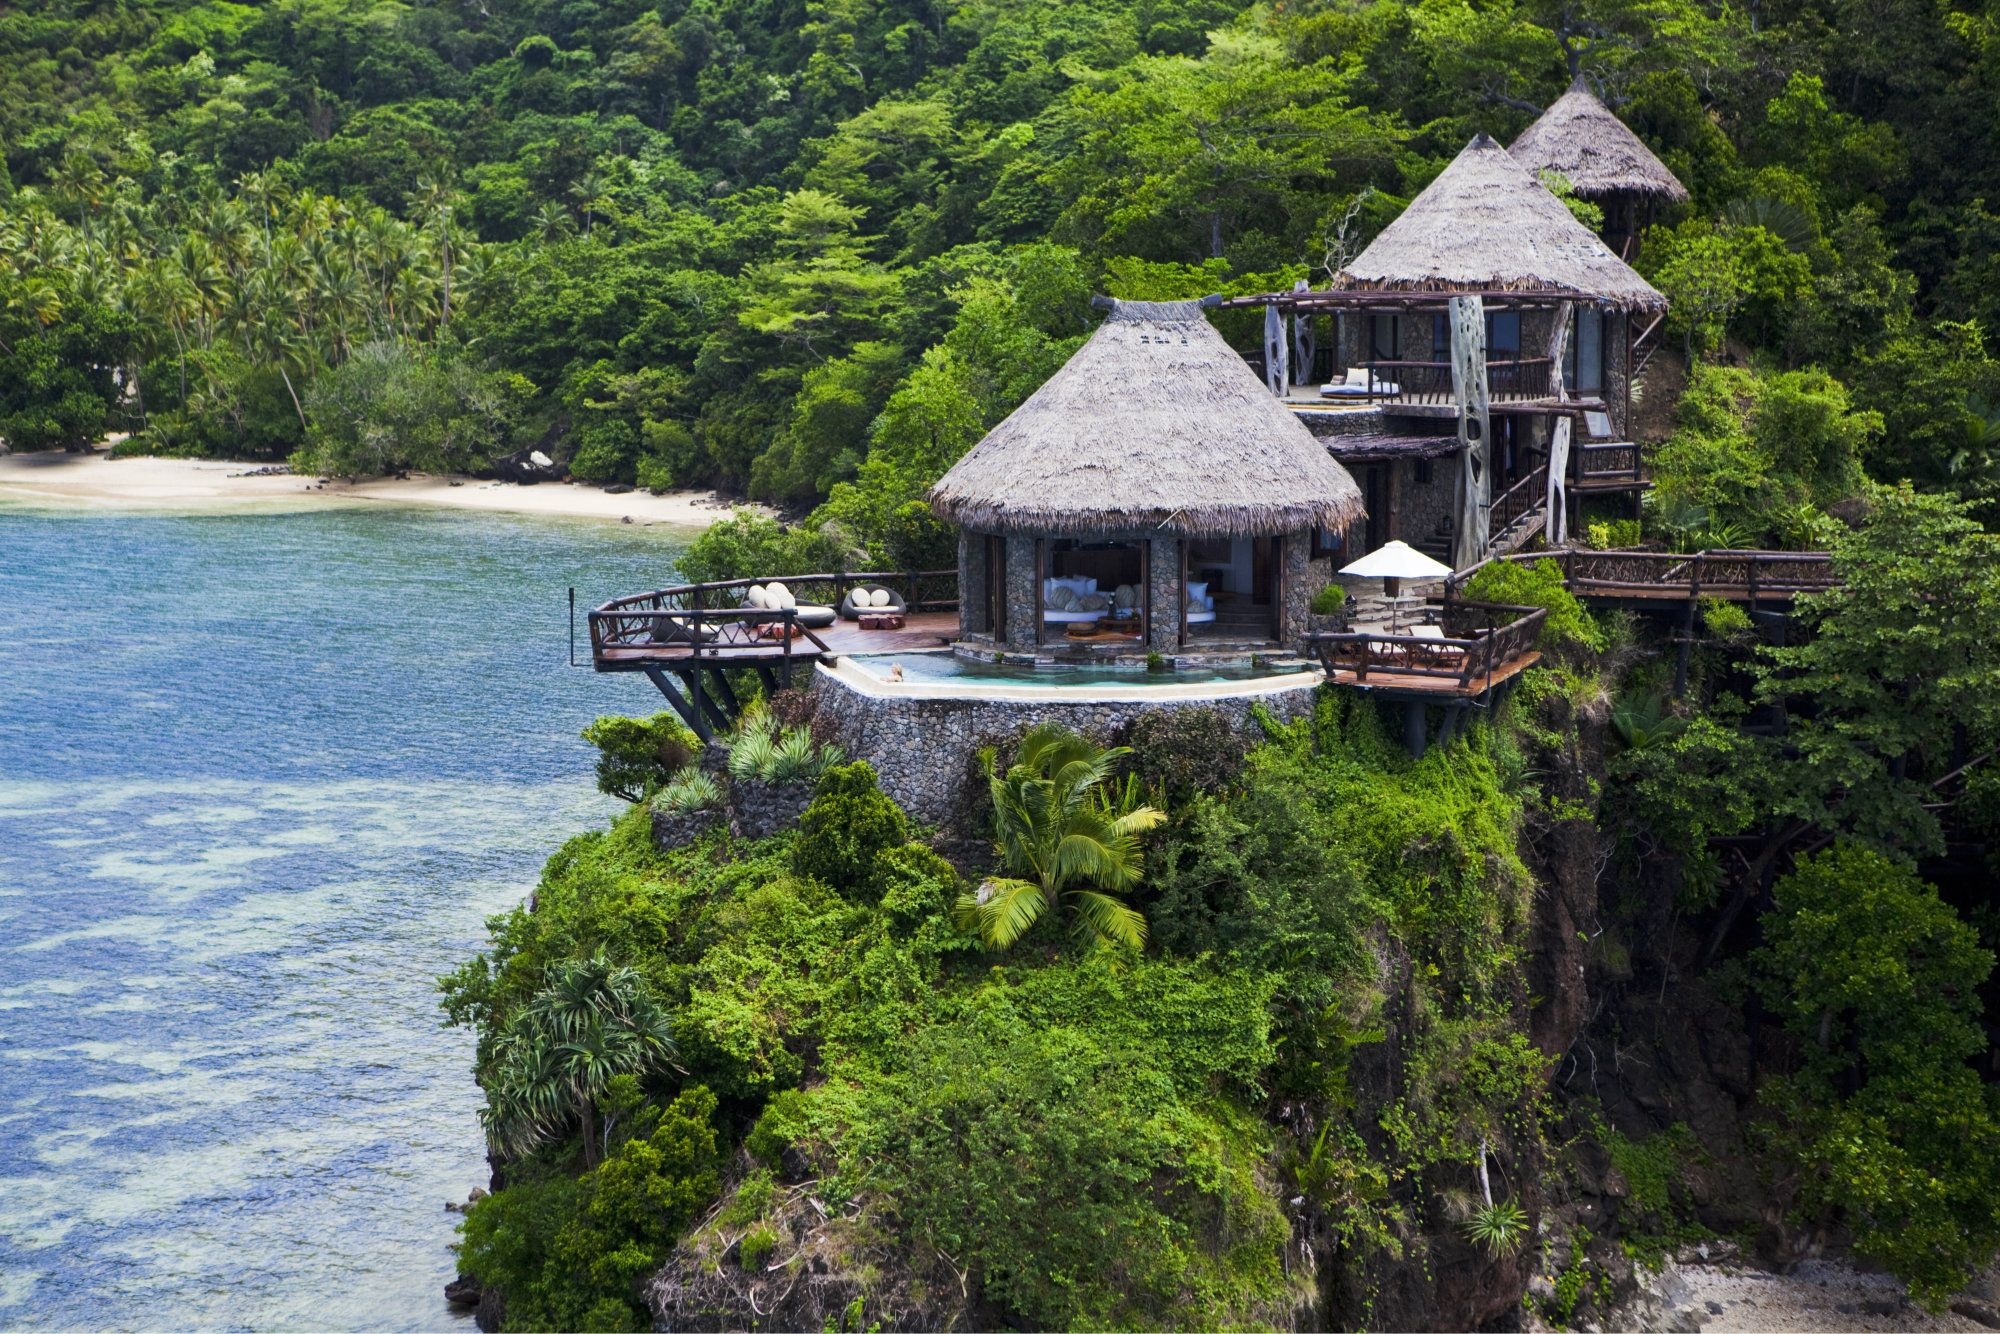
{"x": 591, "y": 192}
{"x": 1064, "y": 838}
{"x": 591, "y": 1022}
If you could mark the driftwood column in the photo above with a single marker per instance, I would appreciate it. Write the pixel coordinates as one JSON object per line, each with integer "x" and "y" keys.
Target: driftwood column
{"x": 1468, "y": 383}
{"x": 1555, "y": 505}
{"x": 1277, "y": 353}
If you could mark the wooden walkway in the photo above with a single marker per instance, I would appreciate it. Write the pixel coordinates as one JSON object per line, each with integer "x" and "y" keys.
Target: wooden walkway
{"x": 1643, "y": 579}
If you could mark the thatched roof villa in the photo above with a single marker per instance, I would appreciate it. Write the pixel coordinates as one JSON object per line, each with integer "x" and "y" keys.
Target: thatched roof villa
{"x": 1603, "y": 161}
{"x": 1487, "y": 225}
{"x": 1150, "y": 497}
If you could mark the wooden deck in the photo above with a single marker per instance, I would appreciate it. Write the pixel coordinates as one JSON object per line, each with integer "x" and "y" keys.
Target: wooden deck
{"x": 1480, "y": 646}
{"x": 921, "y": 630}
{"x": 1395, "y": 683}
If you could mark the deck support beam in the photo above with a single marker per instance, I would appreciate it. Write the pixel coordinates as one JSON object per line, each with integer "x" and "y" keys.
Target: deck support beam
{"x": 665, "y": 685}
{"x": 1415, "y": 729}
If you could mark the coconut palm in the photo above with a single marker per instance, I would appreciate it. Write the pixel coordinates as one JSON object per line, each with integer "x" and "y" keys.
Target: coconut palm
{"x": 592, "y": 1021}
{"x": 1065, "y": 838}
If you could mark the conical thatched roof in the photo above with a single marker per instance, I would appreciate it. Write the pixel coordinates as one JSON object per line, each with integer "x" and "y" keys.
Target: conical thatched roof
{"x": 1155, "y": 424}
{"x": 1486, "y": 224}
{"x": 1595, "y": 150}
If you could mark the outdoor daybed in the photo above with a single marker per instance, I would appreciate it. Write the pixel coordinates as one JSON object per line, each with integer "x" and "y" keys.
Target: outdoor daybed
{"x": 776, "y": 597}
{"x": 863, "y": 600}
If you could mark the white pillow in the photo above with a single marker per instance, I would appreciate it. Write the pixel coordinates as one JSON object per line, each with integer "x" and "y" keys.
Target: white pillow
{"x": 1093, "y": 602}
{"x": 1061, "y": 598}
{"x": 1198, "y": 592}
{"x": 776, "y": 595}
{"x": 756, "y": 597}
{"x": 879, "y": 598}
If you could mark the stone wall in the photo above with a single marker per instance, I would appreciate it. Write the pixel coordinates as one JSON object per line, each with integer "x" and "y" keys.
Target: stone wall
{"x": 924, "y": 749}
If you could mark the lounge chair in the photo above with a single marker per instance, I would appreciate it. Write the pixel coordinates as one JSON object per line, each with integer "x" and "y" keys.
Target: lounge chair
{"x": 862, "y": 600}
{"x": 1355, "y": 385}
{"x": 774, "y": 596}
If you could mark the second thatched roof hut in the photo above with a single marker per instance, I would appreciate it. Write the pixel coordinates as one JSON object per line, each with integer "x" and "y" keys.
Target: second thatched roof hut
{"x": 1595, "y": 151}
{"x": 1486, "y": 224}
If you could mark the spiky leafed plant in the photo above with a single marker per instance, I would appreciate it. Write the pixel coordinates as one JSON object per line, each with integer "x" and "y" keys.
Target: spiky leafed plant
{"x": 591, "y": 1021}
{"x": 1065, "y": 839}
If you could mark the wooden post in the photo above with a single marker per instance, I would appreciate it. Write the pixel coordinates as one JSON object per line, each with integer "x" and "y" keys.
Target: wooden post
{"x": 1468, "y": 382}
{"x": 1555, "y": 504}
{"x": 1305, "y": 341}
{"x": 1277, "y": 353}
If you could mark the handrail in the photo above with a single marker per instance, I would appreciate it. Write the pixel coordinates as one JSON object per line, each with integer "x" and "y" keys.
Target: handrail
{"x": 1759, "y": 573}
{"x": 1464, "y": 657}
{"x": 705, "y": 595}
{"x": 1517, "y": 500}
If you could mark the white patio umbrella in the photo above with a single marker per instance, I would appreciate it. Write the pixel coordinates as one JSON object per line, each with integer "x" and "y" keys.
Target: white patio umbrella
{"x": 1393, "y": 561}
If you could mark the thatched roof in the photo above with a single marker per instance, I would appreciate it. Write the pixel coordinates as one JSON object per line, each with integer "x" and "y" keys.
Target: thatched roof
{"x": 1486, "y": 224}
{"x": 1156, "y": 424}
{"x": 1595, "y": 150}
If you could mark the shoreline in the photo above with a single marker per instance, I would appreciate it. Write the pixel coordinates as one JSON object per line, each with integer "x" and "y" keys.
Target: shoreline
{"x": 95, "y": 481}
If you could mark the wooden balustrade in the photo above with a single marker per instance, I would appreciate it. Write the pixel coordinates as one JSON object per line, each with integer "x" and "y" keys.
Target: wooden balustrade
{"x": 1606, "y": 462}
{"x": 1518, "y": 500}
{"x": 1511, "y": 379}
{"x": 1480, "y": 640}
{"x": 1679, "y": 575}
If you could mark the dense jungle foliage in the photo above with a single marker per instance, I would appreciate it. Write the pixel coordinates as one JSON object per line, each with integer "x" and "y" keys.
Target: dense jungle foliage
{"x": 1385, "y": 1012}
{"x": 810, "y": 251}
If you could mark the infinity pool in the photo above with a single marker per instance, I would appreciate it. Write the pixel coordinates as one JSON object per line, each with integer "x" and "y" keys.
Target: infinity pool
{"x": 947, "y": 667}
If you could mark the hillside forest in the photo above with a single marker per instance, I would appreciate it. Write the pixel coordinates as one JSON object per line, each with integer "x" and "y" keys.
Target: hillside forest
{"x": 807, "y": 253}
{"x": 1685, "y": 950}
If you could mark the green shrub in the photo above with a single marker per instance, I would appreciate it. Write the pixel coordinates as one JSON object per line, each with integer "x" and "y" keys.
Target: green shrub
{"x": 849, "y": 824}
{"x": 1878, "y": 981}
{"x": 782, "y": 1124}
{"x": 755, "y": 1248}
{"x": 570, "y": 1252}
{"x": 747, "y": 545}
{"x": 1331, "y": 599}
{"x": 1539, "y": 584}
{"x": 637, "y": 756}
{"x": 1612, "y": 534}
{"x": 917, "y": 884}
{"x": 1178, "y": 754}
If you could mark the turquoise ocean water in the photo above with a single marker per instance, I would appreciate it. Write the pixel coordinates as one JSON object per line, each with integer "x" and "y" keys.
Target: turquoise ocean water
{"x": 262, "y": 777}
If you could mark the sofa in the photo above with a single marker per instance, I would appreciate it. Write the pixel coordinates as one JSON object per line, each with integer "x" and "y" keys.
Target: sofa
{"x": 1069, "y": 600}
{"x": 864, "y": 599}
{"x": 1356, "y": 386}
{"x": 774, "y": 596}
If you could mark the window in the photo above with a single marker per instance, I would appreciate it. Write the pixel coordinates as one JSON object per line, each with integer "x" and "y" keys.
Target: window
{"x": 1385, "y": 338}
{"x": 1585, "y": 368}
{"x": 1440, "y": 337}
{"x": 1423, "y": 472}
{"x": 1503, "y": 335}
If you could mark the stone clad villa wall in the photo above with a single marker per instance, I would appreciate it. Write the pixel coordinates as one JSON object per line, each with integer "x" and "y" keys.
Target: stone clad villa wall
{"x": 923, "y": 747}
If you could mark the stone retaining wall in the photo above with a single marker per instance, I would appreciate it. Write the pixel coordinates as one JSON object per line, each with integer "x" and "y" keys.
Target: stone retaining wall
{"x": 923, "y": 749}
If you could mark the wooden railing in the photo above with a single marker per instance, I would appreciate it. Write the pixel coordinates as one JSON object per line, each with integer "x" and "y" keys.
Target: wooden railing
{"x": 1615, "y": 461}
{"x": 1734, "y": 575}
{"x": 1480, "y": 639}
{"x": 1430, "y": 381}
{"x": 714, "y": 619}
{"x": 1517, "y": 501}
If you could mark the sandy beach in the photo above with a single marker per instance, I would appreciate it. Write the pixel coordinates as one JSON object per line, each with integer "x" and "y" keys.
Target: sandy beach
{"x": 97, "y": 481}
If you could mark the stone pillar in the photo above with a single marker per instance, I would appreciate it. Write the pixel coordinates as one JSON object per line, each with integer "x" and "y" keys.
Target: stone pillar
{"x": 1165, "y": 594}
{"x": 974, "y": 616}
{"x": 1023, "y": 609}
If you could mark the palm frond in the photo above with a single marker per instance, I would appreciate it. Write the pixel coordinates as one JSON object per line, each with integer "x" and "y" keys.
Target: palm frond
{"x": 1007, "y": 909}
{"x": 1106, "y": 918}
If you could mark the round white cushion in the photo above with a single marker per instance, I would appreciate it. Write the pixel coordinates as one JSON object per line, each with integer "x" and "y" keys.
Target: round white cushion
{"x": 879, "y": 598}
{"x": 756, "y": 597}
{"x": 777, "y": 595}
